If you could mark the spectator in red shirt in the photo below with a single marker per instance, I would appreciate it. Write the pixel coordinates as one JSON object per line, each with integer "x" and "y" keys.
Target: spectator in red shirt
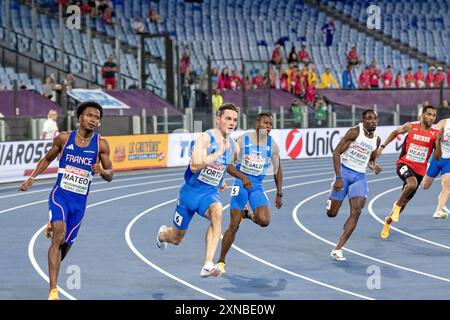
{"x": 258, "y": 81}
{"x": 420, "y": 78}
{"x": 223, "y": 80}
{"x": 399, "y": 80}
{"x": 235, "y": 80}
{"x": 429, "y": 79}
{"x": 439, "y": 77}
{"x": 409, "y": 79}
{"x": 364, "y": 79}
{"x": 310, "y": 93}
{"x": 109, "y": 70}
{"x": 277, "y": 56}
{"x": 153, "y": 15}
{"x": 184, "y": 61}
{"x": 353, "y": 57}
{"x": 388, "y": 77}
{"x": 303, "y": 55}
{"x": 375, "y": 75}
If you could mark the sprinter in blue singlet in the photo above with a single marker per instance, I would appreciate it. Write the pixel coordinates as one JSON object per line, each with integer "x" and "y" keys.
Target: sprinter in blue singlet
{"x": 258, "y": 153}
{"x": 80, "y": 152}
{"x": 212, "y": 154}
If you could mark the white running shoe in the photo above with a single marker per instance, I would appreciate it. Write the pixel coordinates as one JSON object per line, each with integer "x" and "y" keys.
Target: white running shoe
{"x": 440, "y": 215}
{"x": 445, "y": 209}
{"x": 210, "y": 269}
{"x": 162, "y": 245}
{"x": 338, "y": 255}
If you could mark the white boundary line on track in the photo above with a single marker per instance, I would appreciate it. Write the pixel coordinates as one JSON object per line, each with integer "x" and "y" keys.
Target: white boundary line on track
{"x": 372, "y": 213}
{"x": 297, "y": 221}
{"x": 142, "y": 257}
{"x": 32, "y": 241}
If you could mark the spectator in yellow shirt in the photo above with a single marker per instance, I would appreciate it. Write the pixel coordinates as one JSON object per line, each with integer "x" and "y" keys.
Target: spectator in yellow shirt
{"x": 327, "y": 80}
{"x": 312, "y": 76}
{"x": 217, "y": 100}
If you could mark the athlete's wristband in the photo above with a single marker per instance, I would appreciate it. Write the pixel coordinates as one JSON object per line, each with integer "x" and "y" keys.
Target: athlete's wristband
{"x": 382, "y": 146}
{"x": 338, "y": 177}
{"x": 32, "y": 178}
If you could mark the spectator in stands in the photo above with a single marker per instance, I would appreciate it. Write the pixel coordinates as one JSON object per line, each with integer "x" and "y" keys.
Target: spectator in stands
{"x": 185, "y": 61}
{"x": 439, "y": 77}
{"x": 23, "y": 87}
{"x": 364, "y": 78}
{"x": 138, "y": 26}
{"x": 186, "y": 89}
{"x": 399, "y": 80}
{"x": 48, "y": 88}
{"x": 347, "y": 81}
{"x": 217, "y": 100}
{"x": 153, "y": 15}
{"x": 388, "y": 78}
{"x": 303, "y": 55}
{"x": 50, "y": 128}
{"x": 295, "y": 109}
{"x": 223, "y": 81}
{"x": 284, "y": 80}
{"x": 353, "y": 57}
{"x": 445, "y": 104}
{"x": 310, "y": 93}
{"x": 106, "y": 10}
{"x": 109, "y": 72}
{"x": 304, "y": 73}
{"x": 277, "y": 56}
{"x": 375, "y": 75}
{"x": 292, "y": 59}
{"x": 409, "y": 79}
{"x": 257, "y": 81}
{"x": 235, "y": 80}
{"x": 92, "y": 4}
{"x": 312, "y": 76}
{"x": 320, "y": 112}
{"x": 429, "y": 79}
{"x": 214, "y": 77}
{"x": 419, "y": 77}
{"x": 328, "y": 29}
{"x": 69, "y": 81}
{"x": 327, "y": 80}
{"x": 272, "y": 79}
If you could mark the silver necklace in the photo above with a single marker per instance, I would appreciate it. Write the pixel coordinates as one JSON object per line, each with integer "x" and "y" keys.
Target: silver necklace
{"x": 83, "y": 139}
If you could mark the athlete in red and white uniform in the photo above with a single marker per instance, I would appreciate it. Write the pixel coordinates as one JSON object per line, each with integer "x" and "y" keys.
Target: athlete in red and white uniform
{"x": 420, "y": 142}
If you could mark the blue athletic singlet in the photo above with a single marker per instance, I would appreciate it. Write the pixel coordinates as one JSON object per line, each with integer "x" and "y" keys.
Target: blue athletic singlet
{"x": 201, "y": 189}
{"x": 254, "y": 163}
{"x": 67, "y": 200}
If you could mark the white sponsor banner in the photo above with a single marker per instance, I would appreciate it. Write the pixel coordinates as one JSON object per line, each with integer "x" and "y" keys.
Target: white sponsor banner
{"x": 293, "y": 143}
{"x": 18, "y": 159}
{"x": 97, "y": 95}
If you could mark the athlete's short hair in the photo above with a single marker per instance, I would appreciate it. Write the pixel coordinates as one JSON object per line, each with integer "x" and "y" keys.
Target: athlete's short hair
{"x": 263, "y": 114}
{"x": 365, "y": 112}
{"x": 226, "y": 106}
{"x": 426, "y": 107}
{"x": 92, "y": 104}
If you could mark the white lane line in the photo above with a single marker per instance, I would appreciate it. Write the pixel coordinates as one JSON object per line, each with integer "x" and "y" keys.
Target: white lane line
{"x": 36, "y": 265}
{"x": 39, "y": 270}
{"x": 372, "y": 213}
{"x": 133, "y": 248}
{"x": 151, "y": 264}
{"x": 297, "y": 221}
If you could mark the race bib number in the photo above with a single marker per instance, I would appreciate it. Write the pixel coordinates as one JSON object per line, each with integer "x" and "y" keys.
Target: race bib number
{"x": 212, "y": 174}
{"x": 253, "y": 164}
{"x": 234, "y": 191}
{"x": 178, "y": 219}
{"x": 403, "y": 169}
{"x": 76, "y": 180}
{"x": 417, "y": 153}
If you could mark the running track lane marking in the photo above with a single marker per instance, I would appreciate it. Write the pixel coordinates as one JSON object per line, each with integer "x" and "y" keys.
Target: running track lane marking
{"x": 133, "y": 248}
{"x": 33, "y": 240}
{"x": 372, "y": 213}
{"x": 297, "y": 221}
